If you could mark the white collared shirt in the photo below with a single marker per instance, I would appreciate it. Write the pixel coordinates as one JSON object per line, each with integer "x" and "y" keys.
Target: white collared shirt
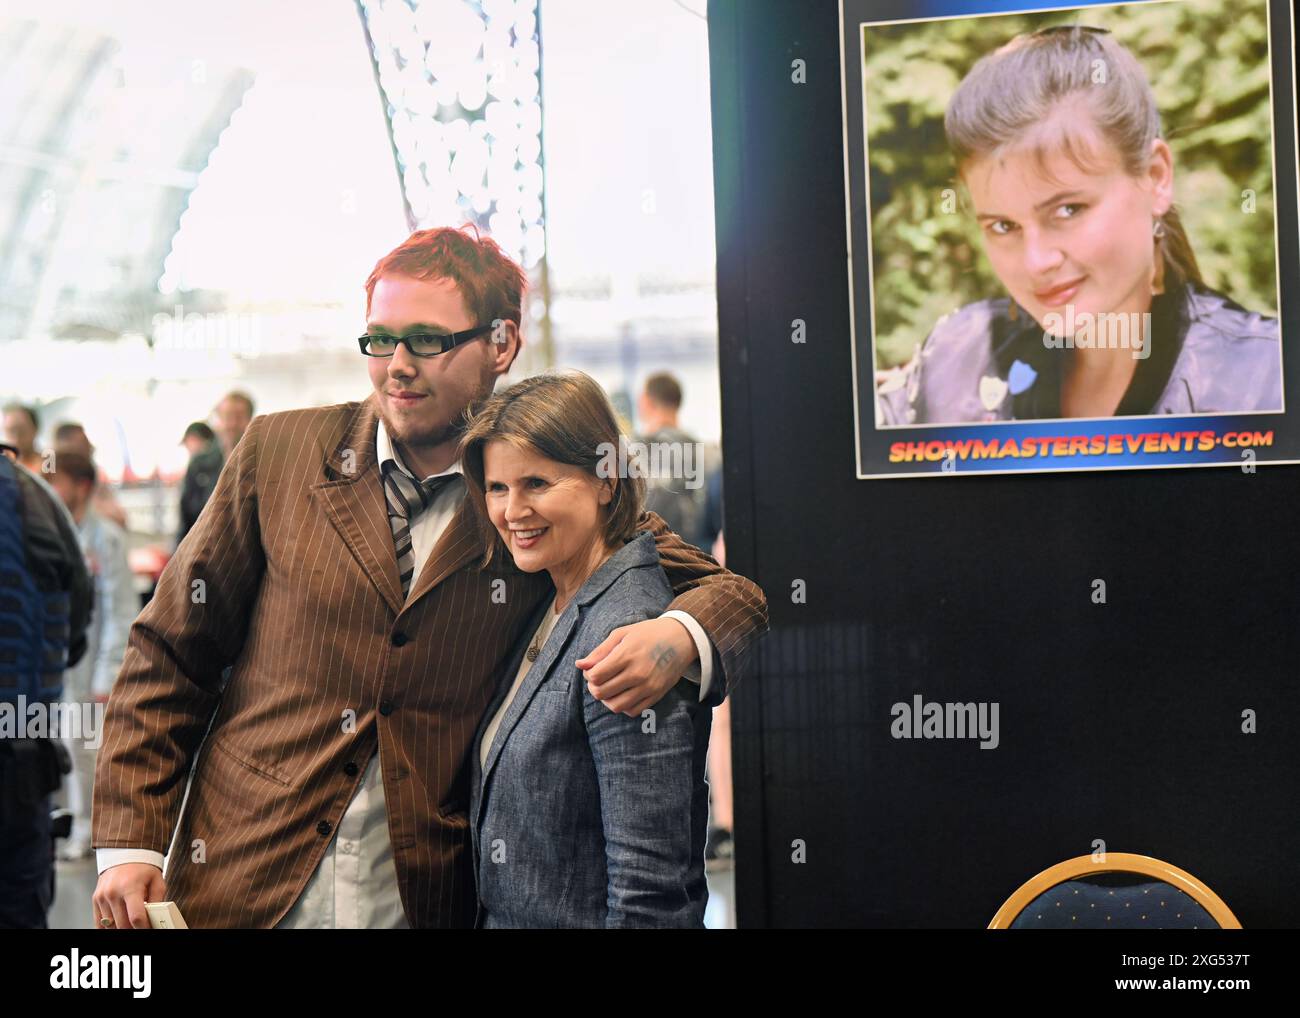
{"x": 355, "y": 885}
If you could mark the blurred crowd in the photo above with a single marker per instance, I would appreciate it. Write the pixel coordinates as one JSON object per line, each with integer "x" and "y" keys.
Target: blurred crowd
{"x": 66, "y": 470}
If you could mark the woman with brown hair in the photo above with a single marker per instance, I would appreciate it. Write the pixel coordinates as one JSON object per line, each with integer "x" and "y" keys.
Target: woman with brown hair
{"x": 579, "y": 816}
{"x": 1057, "y": 139}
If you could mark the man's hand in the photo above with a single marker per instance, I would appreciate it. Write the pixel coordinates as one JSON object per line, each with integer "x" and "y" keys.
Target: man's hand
{"x": 123, "y": 890}
{"x": 638, "y": 664}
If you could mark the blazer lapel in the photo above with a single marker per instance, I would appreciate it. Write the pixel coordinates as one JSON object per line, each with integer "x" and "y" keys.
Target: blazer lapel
{"x": 460, "y": 543}
{"x": 504, "y": 681}
{"x": 352, "y": 497}
{"x": 532, "y": 682}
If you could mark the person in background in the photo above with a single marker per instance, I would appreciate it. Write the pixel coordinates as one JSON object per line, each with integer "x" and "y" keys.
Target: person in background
{"x": 22, "y": 424}
{"x": 104, "y": 545}
{"x": 679, "y": 500}
{"x": 44, "y": 612}
{"x": 232, "y": 415}
{"x": 713, "y": 510}
{"x": 719, "y": 850}
{"x": 696, "y": 514}
{"x": 201, "y": 475}
{"x": 72, "y": 436}
{"x": 198, "y": 436}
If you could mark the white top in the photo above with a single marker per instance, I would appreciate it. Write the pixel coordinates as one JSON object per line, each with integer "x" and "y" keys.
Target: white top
{"x": 525, "y": 666}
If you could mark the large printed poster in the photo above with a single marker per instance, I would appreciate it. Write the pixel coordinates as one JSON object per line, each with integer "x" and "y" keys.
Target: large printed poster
{"x": 1072, "y": 233}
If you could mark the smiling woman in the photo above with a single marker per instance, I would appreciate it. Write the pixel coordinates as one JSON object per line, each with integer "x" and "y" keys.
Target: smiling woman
{"x": 533, "y": 459}
{"x": 580, "y": 816}
{"x": 1057, "y": 140}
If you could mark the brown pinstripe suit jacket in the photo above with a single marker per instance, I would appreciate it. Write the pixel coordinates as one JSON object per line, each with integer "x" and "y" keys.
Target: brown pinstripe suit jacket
{"x": 290, "y": 578}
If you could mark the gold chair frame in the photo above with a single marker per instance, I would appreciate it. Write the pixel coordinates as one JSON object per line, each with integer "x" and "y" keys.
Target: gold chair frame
{"x": 1114, "y": 862}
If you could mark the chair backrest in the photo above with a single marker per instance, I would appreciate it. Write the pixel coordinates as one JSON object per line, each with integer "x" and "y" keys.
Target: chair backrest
{"x": 1116, "y": 891}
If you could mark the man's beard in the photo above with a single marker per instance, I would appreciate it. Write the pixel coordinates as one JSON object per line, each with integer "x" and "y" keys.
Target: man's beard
{"x": 448, "y": 432}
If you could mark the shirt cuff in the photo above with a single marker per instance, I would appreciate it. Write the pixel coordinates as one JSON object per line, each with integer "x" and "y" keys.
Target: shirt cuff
{"x": 702, "y": 670}
{"x": 106, "y": 857}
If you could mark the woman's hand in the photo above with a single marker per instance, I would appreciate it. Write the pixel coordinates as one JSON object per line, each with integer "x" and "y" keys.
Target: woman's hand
{"x": 636, "y": 665}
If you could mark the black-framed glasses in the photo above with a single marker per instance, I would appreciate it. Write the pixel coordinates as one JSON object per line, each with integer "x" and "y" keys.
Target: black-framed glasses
{"x": 422, "y": 344}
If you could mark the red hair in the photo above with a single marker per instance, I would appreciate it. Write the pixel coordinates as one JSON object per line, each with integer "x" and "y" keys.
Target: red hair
{"x": 491, "y": 283}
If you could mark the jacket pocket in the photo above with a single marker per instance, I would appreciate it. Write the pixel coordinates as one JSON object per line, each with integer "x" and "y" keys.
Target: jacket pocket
{"x": 244, "y": 784}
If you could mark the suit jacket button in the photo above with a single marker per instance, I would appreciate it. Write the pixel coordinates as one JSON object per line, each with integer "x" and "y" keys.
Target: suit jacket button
{"x": 400, "y": 639}
{"x": 324, "y": 827}
{"x": 386, "y": 707}
{"x": 350, "y": 769}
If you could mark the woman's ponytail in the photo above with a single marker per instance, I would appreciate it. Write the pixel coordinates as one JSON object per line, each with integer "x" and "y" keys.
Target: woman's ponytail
{"x": 1178, "y": 249}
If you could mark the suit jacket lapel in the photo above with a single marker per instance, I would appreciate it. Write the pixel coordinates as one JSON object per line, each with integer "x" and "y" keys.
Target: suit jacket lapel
{"x": 460, "y": 543}
{"x": 352, "y": 497}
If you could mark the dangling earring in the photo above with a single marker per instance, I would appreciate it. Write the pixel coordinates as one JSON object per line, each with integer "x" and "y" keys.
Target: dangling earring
{"x": 1158, "y": 279}
{"x": 1012, "y": 313}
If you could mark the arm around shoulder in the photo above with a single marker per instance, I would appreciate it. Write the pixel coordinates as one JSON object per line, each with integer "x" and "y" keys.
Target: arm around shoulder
{"x": 730, "y": 608}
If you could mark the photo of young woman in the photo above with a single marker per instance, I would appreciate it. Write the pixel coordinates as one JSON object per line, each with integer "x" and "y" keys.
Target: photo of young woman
{"x": 1059, "y": 151}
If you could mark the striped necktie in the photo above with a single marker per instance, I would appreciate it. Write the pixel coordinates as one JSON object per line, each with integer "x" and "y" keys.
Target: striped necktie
{"x": 407, "y": 498}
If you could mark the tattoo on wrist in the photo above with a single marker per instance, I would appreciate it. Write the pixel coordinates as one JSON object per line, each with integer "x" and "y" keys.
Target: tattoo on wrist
{"x": 664, "y": 656}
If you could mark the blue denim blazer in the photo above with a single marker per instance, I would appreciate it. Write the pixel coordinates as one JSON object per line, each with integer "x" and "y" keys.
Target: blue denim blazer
{"x": 583, "y": 817}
